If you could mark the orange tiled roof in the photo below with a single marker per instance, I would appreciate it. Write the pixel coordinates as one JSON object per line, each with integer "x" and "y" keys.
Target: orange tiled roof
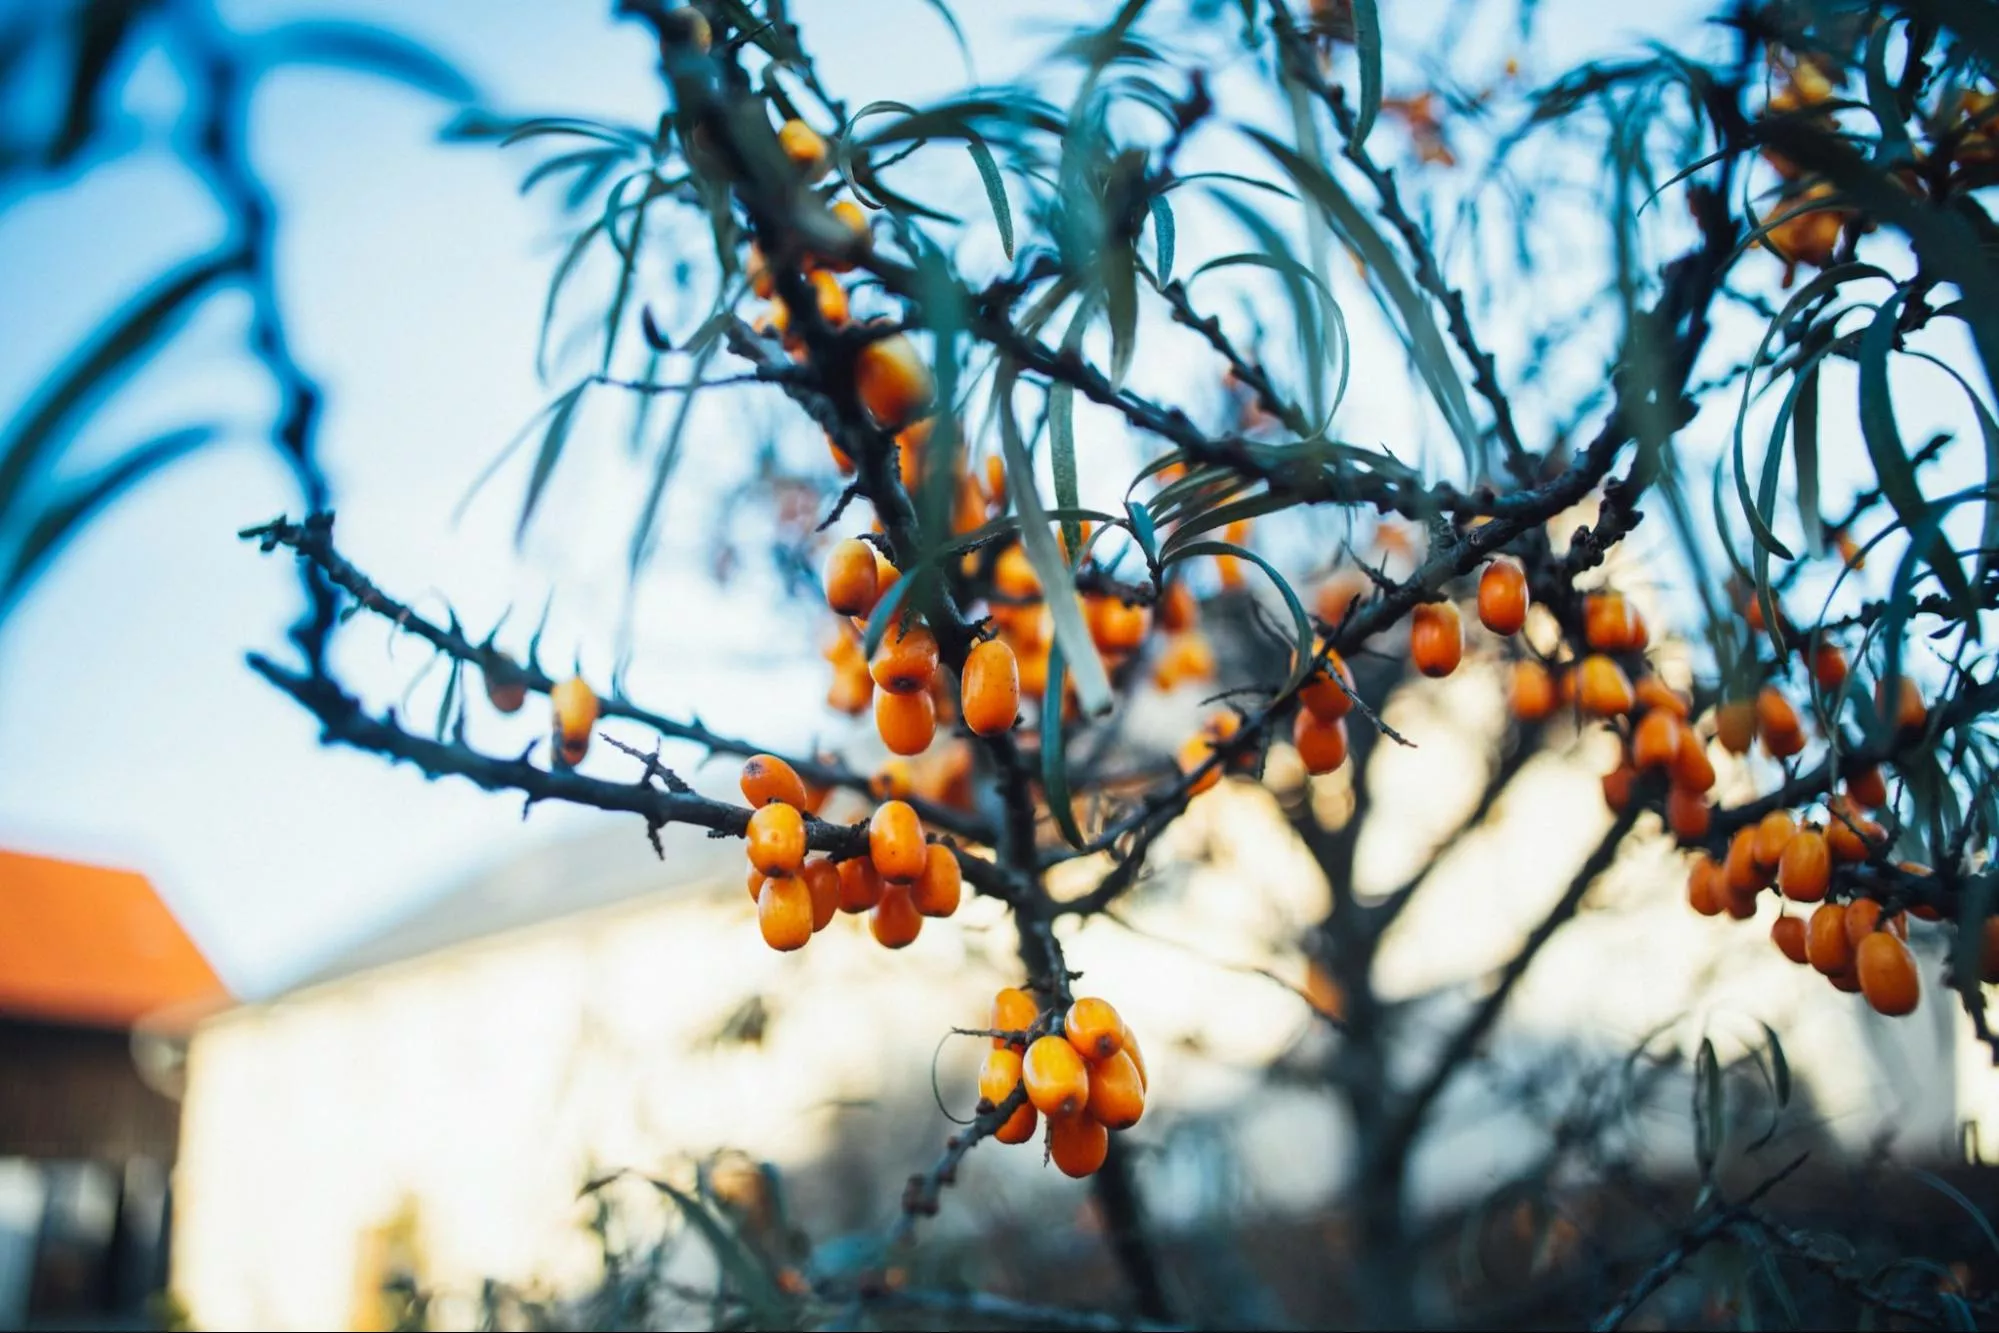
{"x": 85, "y": 944}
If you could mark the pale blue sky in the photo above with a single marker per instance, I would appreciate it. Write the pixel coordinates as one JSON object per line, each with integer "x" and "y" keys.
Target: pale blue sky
{"x": 131, "y": 731}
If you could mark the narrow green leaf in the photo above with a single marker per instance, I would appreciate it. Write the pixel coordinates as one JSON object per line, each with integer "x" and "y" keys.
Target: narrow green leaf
{"x": 1417, "y": 325}
{"x": 57, "y": 523}
{"x": 1988, "y": 427}
{"x": 1062, "y": 436}
{"x": 450, "y": 697}
{"x": 745, "y": 1272}
{"x": 669, "y": 459}
{"x": 1708, "y": 1109}
{"x": 563, "y": 268}
{"x": 1300, "y": 284}
{"x": 365, "y": 47}
{"x": 560, "y": 419}
{"x": 958, "y": 36}
{"x": 1956, "y": 1196}
{"x": 1894, "y": 144}
{"x": 1892, "y": 469}
{"x": 1141, "y": 529}
{"x": 1120, "y": 273}
{"x": 889, "y": 608}
{"x": 989, "y": 172}
{"x": 1367, "y": 46}
{"x": 1805, "y": 454}
{"x": 1162, "y": 236}
{"x": 1301, "y": 624}
{"x": 1054, "y": 765}
{"x": 1093, "y": 686}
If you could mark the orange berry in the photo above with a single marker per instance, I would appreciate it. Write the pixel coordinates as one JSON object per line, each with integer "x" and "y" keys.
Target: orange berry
{"x": 1783, "y": 744}
{"x": 1788, "y": 933}
{"x": 1436, "y": 638}
{"x": 1910, "y": 713}
{"x": 1656, "y": 742}
{"x": 1020, "y": 1126}
{"x": 1735, "y": 725}
{"x": 1198, "y": 750}
{"x": 830, "y": 297}
{"x": 1014, "y": 1010}
{"x": 822, "y": 881}
{"x": 1828, "y": 667}
{"x": 1743, "y": 874}
{"x": 1094, "y": 1028}
{"x": 1774, "y": 713}
{"x": 860, "y": 887}
{"x": 1114, "y": 626}
{"x": 1502, "y": 597}
{"x": 1328, "y": 693}
{"x": 1854, "y": 842}
{"x": 1867, "y": 788}
{"x": 941, "y": 884}
{"x": 1705, "y": 891}
{"x": 575, "y": 708}
{"x": 1058, "y": 1080}
{"x": 1863, "y": 917}
{"x": 895, "y": 843}
{"x": 850, "y": 691}
{"x": 892, "y": 381}
{"x": 906, "y": 660}
{"x": 1078, "y": 1145}
{"x": 1533, "y": 692}
{"x": 1617, "y": 785}
{"x": 1117, "y": 1098}
{"x": 907, "y": 722}
{"x": 506, "y": 688}
{"x": 912, "y": 446}
{"x": 1692, "y": 770}
{"x": 893, "y": 781}
{"x": 1846, "y": 979}
{"x": 895, "y": 922}
{"x": 777, "y": 839}
{"x": 1887, "y": 973}
{"x": 762, "y": 282}
{"x": 802, "y": 144}
{"x": 1188, "y": 657}
{"x": 848, "y": 214}
{"x": 1688, "y": 814}
{"x": 850, "y": 577}
{"x": 1826, "y": 944}
{"x": 1137, "y": 1057}
{"x": 1604, "y": 689}
{"x": 1653, "y": 693}
{"x": 1773, "y": 834}
{"x": 1740, "y": 906}
{"x": 1014, "y": 576}
{"x": 1610, "y": 625}
{"x": 999, "y": 1075}
{"x": 1338, "y": 593}
{"x": 784, "y": 912}
{"x": 1322, "y": 745}
{"x": 989, "y": 688}
{"x": 1177, "y": 608}
{"x": 1804, "y": 868}
{"x": 767, "y": 779}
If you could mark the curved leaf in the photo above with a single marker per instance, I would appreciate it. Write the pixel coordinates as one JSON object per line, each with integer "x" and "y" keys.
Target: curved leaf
{"x": 1302, "y": 659}
{"x": 1162, "y": 235}
{"x": 365, "y": 47}
{"x": 1367, "y": 46}
{"x": 1892, "y": 469}
{"x": 989, "y": 172}
{"x": 1054, "y": 765}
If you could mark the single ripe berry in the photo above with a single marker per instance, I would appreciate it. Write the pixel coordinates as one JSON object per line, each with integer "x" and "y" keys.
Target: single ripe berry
{"x": 1688, "y": 814}
{"x": 1773, "y": 834}
{"x": 1656, "y": 742}
{"x": 1533, "y": 693}
{"x": 769, "y": 780}
{"x": 1692, "y": 770}
{"x": 1198, "y": 750}
{"x": 506, "y": 686}
{"x": 851, "y": 587}
{"x": 1013, "y": 575}
{"x": 895, "y": 922}
{"x": 823, "y": 882}
{"x": 802, "y": 144}
{"x": 1611, "y": 624}
{"x": 1020, "y": 1126}
{"x": 1502, "y": 597}
{"x": 1014, "y": 1010}
{"x": 1743, "y": 874}
{"x": 895, "y": 843}
{"x": 1866, "y": 787}
{"x": 575, "y": 707}
{"x": 906, "y": 660}
{"x": 1618, "y": 785}
{"x": 1829, "y": 667}
{"x": 1850, "y": 836}
{"x": 1863, "y": 917}
{"x": 784, "y": 912}
{"x": 1805, "y": 866}
{"x": 1078, "y": 1145}
{"x": 1436, "y": 639}
{"x": 860, "y": 886}
{"x": 1704, "y": 892}
{"x": 1887, "y": 974}
{"x": 907, "y": 722}
{"x": 1788, "y": 933}
{"x": 1329, "y": 691}
{"x": 1735, "y": 725}
{"x": 1651, "y": 693}
{"x": 1602, "y": 688}
{"x": 1322, "y": 745}
{"x": 1783, "y": 744}
{"x": 1909, "y": 712}
{"x": 1117, "y": 1098}
{"x": 942, "y": 884}
{"x": 1094, "y": 1028}
{"x": 777, "y": 840}
{"x": 1131, "y": 1049}
{"x": 1774, "y": 712}
{"x": 1057, "y": 1078}
{"x": 1826, "y": 944}
{"x": 999, "y": 1075}
{"x": 989, "y": 688}
{"x": 1177, "y": 609}
{"x": 1116, "y": 627}
{"x": 756, "y": 882}
{"x": 892, "y": 381}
